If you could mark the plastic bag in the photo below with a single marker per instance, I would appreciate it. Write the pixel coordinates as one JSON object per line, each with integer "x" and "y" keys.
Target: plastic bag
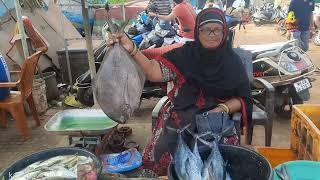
{"x": 118, "y": 84}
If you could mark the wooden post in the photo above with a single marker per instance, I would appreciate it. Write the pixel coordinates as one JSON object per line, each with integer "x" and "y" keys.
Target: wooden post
{"x": 21, "y": 29}
{"x": 88, "y": 37}
{"x": 65, "y": 45}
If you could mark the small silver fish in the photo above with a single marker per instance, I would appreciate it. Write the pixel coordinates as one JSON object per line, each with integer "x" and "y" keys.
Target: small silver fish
{"x": 53, "y": 168}
{"x": 57, "y": 172}
{"x": 214, "y": 165}
{"x": 25, "y": 176}
{"x": 185, "y": 162}
{"x": 195, "y": 151}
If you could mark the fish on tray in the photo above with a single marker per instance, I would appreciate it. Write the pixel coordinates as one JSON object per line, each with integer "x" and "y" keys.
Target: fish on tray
{"x": 59, "y": 167}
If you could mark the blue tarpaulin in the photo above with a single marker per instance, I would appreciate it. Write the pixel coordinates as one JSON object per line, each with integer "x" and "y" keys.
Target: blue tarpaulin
{"x": 6, "y": 5}
{"x": 74, "y": 13}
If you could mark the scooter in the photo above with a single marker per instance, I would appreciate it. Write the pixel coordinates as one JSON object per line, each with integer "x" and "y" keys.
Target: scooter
{"x": 268, "y": 15}
{"x": 287, "y": 68}
{"x": 148, "y": 34}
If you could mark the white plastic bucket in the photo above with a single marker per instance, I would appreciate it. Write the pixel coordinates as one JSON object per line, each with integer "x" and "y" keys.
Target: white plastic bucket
{"x": 39, "y": 95}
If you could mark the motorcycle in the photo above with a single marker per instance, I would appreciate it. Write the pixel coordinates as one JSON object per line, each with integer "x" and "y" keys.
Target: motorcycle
{"x": 270, "y": 15}
{"x": 316, "y": 22}
{"x": 286, "y": 67}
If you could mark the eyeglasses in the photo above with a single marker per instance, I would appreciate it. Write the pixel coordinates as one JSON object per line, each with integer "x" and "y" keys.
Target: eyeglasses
{"x": 208, "y": 31}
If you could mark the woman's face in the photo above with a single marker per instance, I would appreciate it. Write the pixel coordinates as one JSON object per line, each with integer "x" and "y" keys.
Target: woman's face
{"x": 211, "y": 35}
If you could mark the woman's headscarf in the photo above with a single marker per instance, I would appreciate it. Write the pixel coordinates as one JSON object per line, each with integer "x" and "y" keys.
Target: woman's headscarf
{"x": 215, "y": 72}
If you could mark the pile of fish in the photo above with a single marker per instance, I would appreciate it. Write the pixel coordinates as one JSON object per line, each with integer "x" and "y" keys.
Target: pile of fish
{"x": 59, "y": 167}
{"x": 189, "y": 164}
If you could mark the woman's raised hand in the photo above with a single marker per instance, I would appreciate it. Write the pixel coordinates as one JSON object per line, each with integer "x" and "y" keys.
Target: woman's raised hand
{"x": 122, "y": 39}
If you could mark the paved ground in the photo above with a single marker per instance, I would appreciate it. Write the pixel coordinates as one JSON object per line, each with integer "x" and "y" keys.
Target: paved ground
{"x": 13, "y": 148}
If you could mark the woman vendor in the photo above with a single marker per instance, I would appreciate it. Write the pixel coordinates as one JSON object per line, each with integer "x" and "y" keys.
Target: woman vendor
{"x": 202, "y": 75}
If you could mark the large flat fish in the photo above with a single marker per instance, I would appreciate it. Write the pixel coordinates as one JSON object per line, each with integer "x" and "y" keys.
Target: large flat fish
{"x": 119, "y": 83}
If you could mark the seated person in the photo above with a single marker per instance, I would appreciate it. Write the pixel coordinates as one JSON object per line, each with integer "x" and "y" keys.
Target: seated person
{"x": 185, "y": 15}
{"x": 161, "y": 7}
{"x": 204, "y": 75}
{"x": 214, "y": 4}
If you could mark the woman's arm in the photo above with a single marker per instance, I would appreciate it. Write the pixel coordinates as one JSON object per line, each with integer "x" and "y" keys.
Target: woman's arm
{"x": 169, "y": 17}
{"x": 232, "y": 105}
{"x": 151, "y": 68}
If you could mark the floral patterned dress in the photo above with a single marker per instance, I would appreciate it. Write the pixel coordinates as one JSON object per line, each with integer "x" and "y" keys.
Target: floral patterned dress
{"x": 158, "y": 162}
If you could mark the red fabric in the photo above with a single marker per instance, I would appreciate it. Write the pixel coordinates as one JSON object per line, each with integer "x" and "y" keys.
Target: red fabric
{"x": 159, "y": 168}
{"x": 147, "y": 163}
{"x": 175, "y": 118}
{"x": 244, "y": 112}
{"x": 173, "y": 68}
{"x": 201, "y": 101}
{"x": 186, "y": 17}
{"x": 155, "y": 52}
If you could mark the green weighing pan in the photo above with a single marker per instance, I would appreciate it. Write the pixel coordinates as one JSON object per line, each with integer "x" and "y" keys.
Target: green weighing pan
{"x": 301, "y": 170}
{"x": 80, "y": 122}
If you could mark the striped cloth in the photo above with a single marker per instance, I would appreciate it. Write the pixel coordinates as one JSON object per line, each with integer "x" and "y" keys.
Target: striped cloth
{"x": 163, "y": 7}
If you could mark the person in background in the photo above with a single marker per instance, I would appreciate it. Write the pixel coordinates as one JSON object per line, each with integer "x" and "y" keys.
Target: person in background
{"x": 185, "y": 15}
{"x": 303, "y": 13}
{"x": 237, "y": 5}
{"x": 245, "y": 17}
{"x": 161, "y": 7}
{"x": 214, "y": 4}
{"x": 201, "y": 4}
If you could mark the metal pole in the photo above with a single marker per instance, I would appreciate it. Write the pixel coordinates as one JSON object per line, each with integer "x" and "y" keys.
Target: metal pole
{"x": 123, "y": 12}
{"x": 21, "y": 29}
{"x": 65, "y": 45}
{"x": 87, "y": 31}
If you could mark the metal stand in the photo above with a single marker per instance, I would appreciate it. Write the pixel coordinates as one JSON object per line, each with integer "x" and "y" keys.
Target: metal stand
{"x": 92, "y": 143}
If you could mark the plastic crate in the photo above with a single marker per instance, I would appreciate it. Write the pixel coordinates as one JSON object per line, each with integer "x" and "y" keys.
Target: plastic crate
{"x": 277, "y": 156}
{"x": 305, "y": 133}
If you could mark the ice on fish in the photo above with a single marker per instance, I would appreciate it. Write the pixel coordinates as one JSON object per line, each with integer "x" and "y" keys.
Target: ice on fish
{"x": 59, "y": 167}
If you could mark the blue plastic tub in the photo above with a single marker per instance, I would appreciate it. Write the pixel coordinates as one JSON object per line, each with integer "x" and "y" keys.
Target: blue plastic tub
{"x": 301, "y": 170}
{"x": 4, "y": 77}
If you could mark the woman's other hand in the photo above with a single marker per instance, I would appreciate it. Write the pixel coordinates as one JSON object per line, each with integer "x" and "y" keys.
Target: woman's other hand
{"x": 217, "y": 109}
{"x": 122, "y": 39}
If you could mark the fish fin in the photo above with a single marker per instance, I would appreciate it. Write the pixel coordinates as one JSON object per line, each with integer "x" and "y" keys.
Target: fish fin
{"x": 225, "y": 169}
{"x": 124, "y": 25}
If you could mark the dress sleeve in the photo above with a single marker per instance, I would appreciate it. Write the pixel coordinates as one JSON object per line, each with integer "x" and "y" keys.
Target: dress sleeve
{"x": 167, "y": 74}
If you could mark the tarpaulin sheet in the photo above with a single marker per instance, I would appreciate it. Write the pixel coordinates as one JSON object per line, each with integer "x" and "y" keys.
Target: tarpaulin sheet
{"x": 6, "y": 5}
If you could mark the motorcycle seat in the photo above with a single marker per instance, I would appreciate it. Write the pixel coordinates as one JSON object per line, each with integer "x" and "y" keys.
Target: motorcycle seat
{"x": 262, "y": 48}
